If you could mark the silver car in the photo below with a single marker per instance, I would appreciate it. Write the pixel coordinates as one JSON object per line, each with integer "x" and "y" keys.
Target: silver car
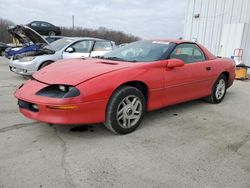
{"x": 61, "y": 49}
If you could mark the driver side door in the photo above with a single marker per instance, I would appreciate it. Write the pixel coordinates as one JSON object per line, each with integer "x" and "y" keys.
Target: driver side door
{"x": 191, "y": 81}
{"x": 78, "y": 49}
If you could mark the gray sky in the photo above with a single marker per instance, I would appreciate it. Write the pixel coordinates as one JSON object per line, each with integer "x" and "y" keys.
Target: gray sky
{"x": 143, "y": 18}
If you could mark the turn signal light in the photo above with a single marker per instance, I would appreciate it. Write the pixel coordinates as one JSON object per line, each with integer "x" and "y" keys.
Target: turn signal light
{"x": 65, "y": 107}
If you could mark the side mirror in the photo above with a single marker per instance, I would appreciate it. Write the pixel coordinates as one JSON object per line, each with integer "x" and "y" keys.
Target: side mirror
{"x": 70, "y": 50}
{"x": 172, "y": 63}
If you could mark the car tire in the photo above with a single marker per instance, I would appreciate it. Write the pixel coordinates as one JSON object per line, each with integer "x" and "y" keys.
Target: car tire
{"x": 219, "y": 90}
{"x": 52, "y": 33}
{"x": 46, "y": 63}
{"x": 125, "y": 110}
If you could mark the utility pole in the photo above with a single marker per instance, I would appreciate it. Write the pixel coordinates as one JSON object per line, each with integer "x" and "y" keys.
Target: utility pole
{"x": 73, "y": 22}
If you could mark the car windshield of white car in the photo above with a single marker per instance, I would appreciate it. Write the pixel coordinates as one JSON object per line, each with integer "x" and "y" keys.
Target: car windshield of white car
{"x": 59, "y": 44}
{"x": 141, "y": 51}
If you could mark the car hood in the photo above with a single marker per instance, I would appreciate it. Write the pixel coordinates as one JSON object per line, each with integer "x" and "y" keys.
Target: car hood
{"x": 75, "y": 71}
{"x": 22, "y": 33}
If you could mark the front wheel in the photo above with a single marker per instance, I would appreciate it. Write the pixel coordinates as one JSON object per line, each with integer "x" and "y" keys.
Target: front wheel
{"x": 125, "y": 110}
{"x": 46, "y": 63}
{"x": 219, "y": 90}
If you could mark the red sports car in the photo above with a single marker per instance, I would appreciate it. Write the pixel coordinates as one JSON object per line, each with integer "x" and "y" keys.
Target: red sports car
{"x": 119, "y": 87}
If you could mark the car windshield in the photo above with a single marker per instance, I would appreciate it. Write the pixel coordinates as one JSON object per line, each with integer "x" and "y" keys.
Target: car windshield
{"x": 59, "y": 44}
{"x": 141, "y": 51}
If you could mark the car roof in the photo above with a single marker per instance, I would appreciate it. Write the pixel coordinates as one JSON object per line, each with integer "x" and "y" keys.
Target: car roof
{"x": 208, "y": 54}
{"x": 177, "y": 41}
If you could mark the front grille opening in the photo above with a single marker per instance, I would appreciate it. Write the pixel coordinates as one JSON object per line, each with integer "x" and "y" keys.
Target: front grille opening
{"x": 28, "y": 106}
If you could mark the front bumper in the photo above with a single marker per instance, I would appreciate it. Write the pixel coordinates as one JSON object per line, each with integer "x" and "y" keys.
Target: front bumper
{"x": 22, "y": 68}
{"x": 86, "y": 111}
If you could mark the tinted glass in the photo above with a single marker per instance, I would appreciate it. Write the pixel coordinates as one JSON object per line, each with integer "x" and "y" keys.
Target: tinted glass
{"x": 189, "y": 53}
{"x": 35, "y": 24}
{"x": 44, "y": 24}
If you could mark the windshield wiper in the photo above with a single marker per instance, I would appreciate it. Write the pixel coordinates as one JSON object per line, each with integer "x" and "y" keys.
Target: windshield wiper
{"x": 99, "y": 57}
{"x": 115, "y": 58}
{"x": 132, "y": 61}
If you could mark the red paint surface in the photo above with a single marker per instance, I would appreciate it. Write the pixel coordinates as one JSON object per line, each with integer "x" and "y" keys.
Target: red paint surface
{"x": 97, "y": 79}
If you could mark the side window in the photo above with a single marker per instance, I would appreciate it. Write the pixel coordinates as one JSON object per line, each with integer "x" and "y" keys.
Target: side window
{"x": 44, "y": 24}
{"x": 102, "y": 46}
{"x": 189, "y": 53}
{"x": 83, "y": 46}
{"x": 35, "y": 24}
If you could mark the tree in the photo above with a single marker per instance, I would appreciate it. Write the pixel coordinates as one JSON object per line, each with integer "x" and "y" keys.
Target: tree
{"x": 4, "y": 35}
{"x": 118, "y": 37}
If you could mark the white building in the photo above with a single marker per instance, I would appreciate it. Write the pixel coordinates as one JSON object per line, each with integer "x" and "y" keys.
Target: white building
{"x": 220, "y": 25}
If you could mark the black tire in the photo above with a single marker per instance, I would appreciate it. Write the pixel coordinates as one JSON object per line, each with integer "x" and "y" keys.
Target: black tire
{"x": 44, "y": 64}
{"x": 52, "y": 33}
{"x": 215, "y": 97}
{"x": 131, "y": 113}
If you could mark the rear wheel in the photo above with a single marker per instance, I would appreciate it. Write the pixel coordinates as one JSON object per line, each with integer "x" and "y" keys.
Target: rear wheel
{"x": 219, "y": 90}
{"x": 52, "y": 33}
{"x": 125, "y": 110}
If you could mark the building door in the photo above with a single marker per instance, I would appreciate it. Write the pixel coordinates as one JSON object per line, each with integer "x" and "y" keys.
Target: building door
{"x": 231, "y": 38}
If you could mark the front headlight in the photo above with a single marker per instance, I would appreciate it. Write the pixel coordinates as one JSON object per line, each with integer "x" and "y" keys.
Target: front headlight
{"x": 59, "y": 91}
{"x": 26, "y": 59}
{"x": 64, "y": 88}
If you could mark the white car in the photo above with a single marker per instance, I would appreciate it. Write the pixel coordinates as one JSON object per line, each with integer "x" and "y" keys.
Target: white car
{"x": 61, "y": 49}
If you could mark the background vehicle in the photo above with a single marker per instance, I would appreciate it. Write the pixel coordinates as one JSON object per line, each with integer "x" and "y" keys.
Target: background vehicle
{"x": 31, "y": 41}
{"x": 45, "y": 28}
{"x": 51, "y": 39}
{"x": 119, "y": 87}
{"x": 64, "y": 48}
{"x": 3, "y": 47}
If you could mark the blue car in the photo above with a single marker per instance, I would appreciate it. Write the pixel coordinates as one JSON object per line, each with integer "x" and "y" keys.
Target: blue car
{"x": 31, "y": 41}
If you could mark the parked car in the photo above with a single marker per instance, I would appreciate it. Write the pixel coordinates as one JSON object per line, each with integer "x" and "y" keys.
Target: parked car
{"x": 121, "y": 86}
{"x": 3, "y": 47}
{"x": 31, "y": 41}
{"x": 45, "y": 28}
{"x": 64, "y": 48}
{"x": 51, "y": 39}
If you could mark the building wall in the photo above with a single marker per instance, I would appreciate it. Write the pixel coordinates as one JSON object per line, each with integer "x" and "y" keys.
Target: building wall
{"x": 207, "y": 28}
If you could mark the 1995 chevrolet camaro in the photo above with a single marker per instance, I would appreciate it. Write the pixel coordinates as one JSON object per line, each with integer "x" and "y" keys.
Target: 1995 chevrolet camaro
{"x": 119, "y": 87}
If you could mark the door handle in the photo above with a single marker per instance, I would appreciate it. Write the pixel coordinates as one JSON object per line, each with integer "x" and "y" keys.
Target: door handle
{"x": 208, "y": 68}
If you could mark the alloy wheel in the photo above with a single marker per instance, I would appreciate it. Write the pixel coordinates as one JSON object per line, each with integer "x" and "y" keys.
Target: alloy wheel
{"x": 129, "y": 111}
{"x": 220, "y": 89}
